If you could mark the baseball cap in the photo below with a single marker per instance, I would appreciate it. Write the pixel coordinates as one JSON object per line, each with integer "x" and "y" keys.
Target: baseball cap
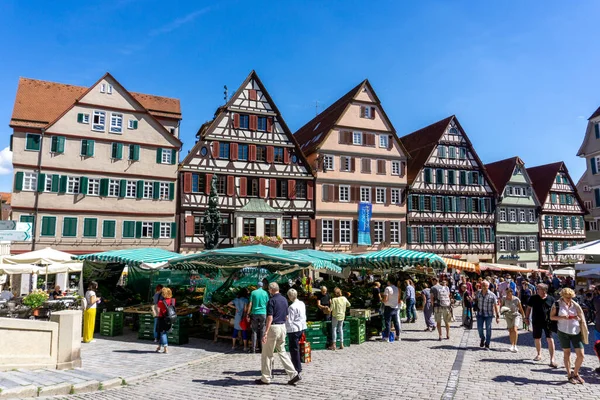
{"x": 260, "y": 284}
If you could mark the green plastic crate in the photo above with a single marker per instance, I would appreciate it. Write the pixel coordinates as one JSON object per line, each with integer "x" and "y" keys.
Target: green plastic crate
{"x": 113, "y": 316}
{"x": 184, "y": 339}
{"x": 358, "y": 340}
{"x": 318, "y": 346}
{"x": 111, "y": 332}
{"x": 146, "y": 335}
{"x": 146, "y": 318}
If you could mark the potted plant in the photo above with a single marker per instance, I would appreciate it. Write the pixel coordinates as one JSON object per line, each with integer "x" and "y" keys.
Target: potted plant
{"x": 35, "y": 300}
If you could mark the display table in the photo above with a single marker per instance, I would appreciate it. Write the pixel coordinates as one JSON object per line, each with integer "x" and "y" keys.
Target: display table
{"x": 218, "y": 324}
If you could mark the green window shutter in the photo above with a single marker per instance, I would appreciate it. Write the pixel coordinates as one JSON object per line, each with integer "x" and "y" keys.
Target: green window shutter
{"x": 433, "y": 235}
{"x": 492, "y": 235}
{"x": 80, "y": 117}
{"x": 83, "y": 185}
{"x": 10, "y": 146}
{"x": 55, "y": 183}
{"x": 122, "y": 187}
{"x": 421, "y": 235}
{"x": 409, "y": 235}
{"x": 90, "y": 148}
{"x": 409, "y": 205}
{"x": 156, "y": 230}
{"x": 457, "y": 235}
{"x": 69, "y": 227}
{"x": 470, "y": 234}
{"x": 19, "y": 181}
{"x": 593, "y": 165}
{"x": 104, "y": 187}
{"x": 547, "y": 220}
{"x": 41, "y": 182}
{"x": 134, "y": 152}
{"x": 61, "y": 144}
{"x": 173, "y": 156}
{"x": 463, "y": 177}
{"x": 63, "y": 184}
{"x": 54, "y": 144}
{"x": 555, "y": 247}
{"x": 135, "y": 124}
{"x": 597, "y": 197}
{"x": 421, "y": 203}
{"x": 555, "y": 221}
{"x": 159, "y": 155}
{"x": 173, "y": 230}
{"x": 445, "y": 234}
{"x": 119, "y": 151}
{"x": 439, "y": 176}
{"x": 427, "y": 173}
{"x": 139, "y": 189}
{"x": 156, "y": 190}
{"x": 128, "y": 229}
{"x": 481, "y": 235}
{"x": 553, "y": 198}
{"x": 48, "y": 226}
{"x": 573, "y": 219}
{"x": 469, "y": 205}
{"x": 481, "y": 178}
{"x": 482, "y": 208}
{"x": 90, "y": 226}
{"x": 32, "y": 142}
{"x": 171, "y": 191}
{"x": 138, "y": 229}
{"x": 108, "y": 229}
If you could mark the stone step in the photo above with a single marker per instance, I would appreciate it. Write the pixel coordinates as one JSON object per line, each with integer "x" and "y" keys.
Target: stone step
{"x": 36, "y": 377}
{"x": 7, "y": 383}
{"x": 15, "y": 376}
{"x": 72, "y": 378}
{"x": 88, "y": 375}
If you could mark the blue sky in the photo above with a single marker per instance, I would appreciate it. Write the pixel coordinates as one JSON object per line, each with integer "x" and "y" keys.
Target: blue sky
{"x": 520, "y": 76}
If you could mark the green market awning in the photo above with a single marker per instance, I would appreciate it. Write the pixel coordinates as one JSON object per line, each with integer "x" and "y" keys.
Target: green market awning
{"x": 392, "y": 258}
{"x": 131, "y": 257}
{"x": 250, "y": 256}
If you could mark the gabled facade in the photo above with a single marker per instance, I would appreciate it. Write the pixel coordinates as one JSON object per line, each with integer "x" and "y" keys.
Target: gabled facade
{"x": 251, "y": 152}
{"x": 354, "y": 150}
{"x": 562, "y": 211}
{"x": 517, "y": 224}
{"x": 590, "y": 188}
{"x": 95, "y": 167}
{"x": 451, "y": 199}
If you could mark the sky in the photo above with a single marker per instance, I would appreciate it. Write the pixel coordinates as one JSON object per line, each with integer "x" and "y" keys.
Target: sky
{"x": 520, "y": 76}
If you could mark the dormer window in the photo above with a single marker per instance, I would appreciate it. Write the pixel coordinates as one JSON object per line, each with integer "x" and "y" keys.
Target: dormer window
{"x": 103, "y": 88}
{"x": 109, "y": 89}
{"x": 367, "y": 112}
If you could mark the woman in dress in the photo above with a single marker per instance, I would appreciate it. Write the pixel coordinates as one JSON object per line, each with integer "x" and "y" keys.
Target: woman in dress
{"x": 240, "y": 303}
{"x": 427, "y": 308}
{"x": 513, "y": 312}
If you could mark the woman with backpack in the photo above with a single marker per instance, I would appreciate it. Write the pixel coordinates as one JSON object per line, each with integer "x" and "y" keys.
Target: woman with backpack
{"x": 164, "y": 320}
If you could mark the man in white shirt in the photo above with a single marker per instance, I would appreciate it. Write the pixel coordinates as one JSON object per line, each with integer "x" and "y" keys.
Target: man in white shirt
{"x": 295, "y": 326}
{"x": 6, "y": 295}
{"x": 391, "y": 298}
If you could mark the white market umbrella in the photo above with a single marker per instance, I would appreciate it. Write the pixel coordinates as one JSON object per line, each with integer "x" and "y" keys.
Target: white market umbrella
{"x": 583, "y": 249}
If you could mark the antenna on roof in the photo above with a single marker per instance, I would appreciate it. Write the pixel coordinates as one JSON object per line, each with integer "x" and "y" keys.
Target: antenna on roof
{"x": 317, "y": 107}
{"x": 225, "y": 93}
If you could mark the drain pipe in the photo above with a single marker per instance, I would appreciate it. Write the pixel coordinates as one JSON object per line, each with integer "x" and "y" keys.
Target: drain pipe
{"x": 34, "y": 228}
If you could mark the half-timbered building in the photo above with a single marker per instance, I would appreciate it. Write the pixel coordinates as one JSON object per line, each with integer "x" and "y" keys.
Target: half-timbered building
{"x": 265, "y": 185}
{"x": 451, "y": 199}
{"x": 358, "y": 158}
{"x": 562, "y": 224}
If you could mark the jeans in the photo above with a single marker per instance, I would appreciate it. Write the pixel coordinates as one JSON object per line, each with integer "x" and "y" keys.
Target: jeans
{"x": 390, "y": 314}
{"x": 337, "y": 326}
{"x": 411, "y": 309}
{"x": 257, "y": 323}
{"x": 294, "y": 338}
{"x": 488, "y": 328}
{"x": 155, "y": 328}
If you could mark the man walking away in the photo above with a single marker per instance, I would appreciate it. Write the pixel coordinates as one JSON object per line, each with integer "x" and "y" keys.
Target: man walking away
{"x": 274, "y": 338}
{"x": 440, "y": 298}
{"x": 539, "y": 308}
{"x": 596, "y": 303}
{"x": 391, "y": 298}
{"x": 257, "y": 312}
{"x": 487, "y": 306}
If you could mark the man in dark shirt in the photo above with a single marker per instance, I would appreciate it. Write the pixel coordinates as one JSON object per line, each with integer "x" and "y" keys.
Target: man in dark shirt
{"x": 538, "y": 308}
{"x": 274, "y": 338}
{"x": 324, "y": 303}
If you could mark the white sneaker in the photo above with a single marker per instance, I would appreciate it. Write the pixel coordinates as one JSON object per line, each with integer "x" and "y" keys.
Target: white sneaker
{"x": 512, "y": 349}
{"x": 515, "y": 350}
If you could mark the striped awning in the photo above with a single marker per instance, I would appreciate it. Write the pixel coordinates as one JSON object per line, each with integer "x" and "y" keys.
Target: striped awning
{"x": 132, "y": 257}
{"x": 462, "y": 265}
{"x": 393, "y": 258}
{"x": 251, "y": 256}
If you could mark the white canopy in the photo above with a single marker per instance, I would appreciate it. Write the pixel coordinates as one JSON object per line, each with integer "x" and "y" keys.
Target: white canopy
{"x": 13, "y": 269}
{"x": 584, "y": 249}
{"x": 569, "y": 271}
{"x": 40, "y": 257}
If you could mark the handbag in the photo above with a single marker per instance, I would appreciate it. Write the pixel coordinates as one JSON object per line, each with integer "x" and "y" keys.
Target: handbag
{"x": 244, "y": 325}
{"x": 585, "y": 334}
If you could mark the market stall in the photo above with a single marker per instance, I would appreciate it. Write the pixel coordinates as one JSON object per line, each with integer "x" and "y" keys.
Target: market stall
{"x": 462, "y": 265}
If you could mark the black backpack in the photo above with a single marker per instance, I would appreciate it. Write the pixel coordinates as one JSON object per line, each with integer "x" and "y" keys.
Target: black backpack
{"x": 171, "y": 314}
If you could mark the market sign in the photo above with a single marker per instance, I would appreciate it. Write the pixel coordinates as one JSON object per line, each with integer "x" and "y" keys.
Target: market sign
{"x": 510, "y": 257}
{"x": 15, "y": 231}
{"x": 365, "y": 211}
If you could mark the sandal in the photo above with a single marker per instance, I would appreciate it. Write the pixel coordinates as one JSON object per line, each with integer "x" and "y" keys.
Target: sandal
{"x": 572, "y": 380}
{"x": 579, "y": 379}
{"x": 553, "y": 365}
{"x": 537, "y": 358}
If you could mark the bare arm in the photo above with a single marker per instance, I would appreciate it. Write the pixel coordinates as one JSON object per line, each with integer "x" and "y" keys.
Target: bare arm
{"x": 554, "y": 315}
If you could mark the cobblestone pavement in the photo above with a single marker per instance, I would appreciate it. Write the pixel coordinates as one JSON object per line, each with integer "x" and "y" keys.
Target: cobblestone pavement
{"x": 419, "y": 366}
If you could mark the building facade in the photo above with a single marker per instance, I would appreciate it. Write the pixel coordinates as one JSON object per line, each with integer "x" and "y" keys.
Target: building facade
{"x": 517, "y": 224}
{"x": 589, "y": 184}
{"x": 561, "y": 217}
{"x": 354, "y": 150}
{"x": 587, "y": 195}
{"x": 95, "y": 167}
{"x": 451, "y": 199}
{"x": 265, "y": 185}
{"x": 5, "y": 199}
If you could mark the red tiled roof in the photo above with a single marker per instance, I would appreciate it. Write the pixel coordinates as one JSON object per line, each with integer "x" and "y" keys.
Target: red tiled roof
{"x": 542, "y": 177}
{"x": 500, "y": 172}
{"x": 38, "y": 103}
{"x": 5, "y": 197}
{"x": 315, "y": 131}
{"x": 595, "y": 114}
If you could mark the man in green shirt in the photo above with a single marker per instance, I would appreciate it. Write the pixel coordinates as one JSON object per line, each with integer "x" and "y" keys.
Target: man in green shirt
{"x": 257, "y": 313}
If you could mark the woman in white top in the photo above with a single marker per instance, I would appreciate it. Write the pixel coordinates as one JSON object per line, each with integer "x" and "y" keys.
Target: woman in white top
{"x": 570, "y": 321}
{"x": 295, "y": 326}
{"x": 89, "y": 315}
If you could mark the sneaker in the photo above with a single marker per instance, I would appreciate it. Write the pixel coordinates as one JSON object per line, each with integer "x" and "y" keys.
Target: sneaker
{"x": 512, "y": 349}
{"x": 260, "y": 382}
{"x": 481, "y": 343}
{"x": 515, "y": 350}
{"x": 294, "y": 380}
{"x": 487, "y": 347}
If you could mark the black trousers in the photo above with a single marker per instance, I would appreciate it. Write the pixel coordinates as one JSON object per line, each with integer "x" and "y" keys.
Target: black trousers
{"x": 294, "y": 338}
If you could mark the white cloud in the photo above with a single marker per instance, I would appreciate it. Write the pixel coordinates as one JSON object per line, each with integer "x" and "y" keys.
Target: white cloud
{"x": 176, "y": 24}
{"x": 6, "y": 161}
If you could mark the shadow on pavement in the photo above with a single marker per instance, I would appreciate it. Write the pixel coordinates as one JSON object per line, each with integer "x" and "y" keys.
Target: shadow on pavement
{"x": 504, "y": 361}
{"x": 134, "y": 351}
{"x": 526, "y": 381}
{"x": 225, "y": 382}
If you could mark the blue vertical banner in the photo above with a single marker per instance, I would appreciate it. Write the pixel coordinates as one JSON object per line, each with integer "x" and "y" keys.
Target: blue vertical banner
{"x": 365, "y": 210}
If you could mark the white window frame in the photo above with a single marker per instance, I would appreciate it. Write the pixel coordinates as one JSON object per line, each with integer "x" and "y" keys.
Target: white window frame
{"x": 130, "y": 123}
{"x": 166, "y": 156}
{"x": 512, "y": 215}
{"x": 93, "y": 187}
{"x": 394, "y": 232}
{"x": 380, "y": 195}
{"x": 365, "y": 190}
{"x": 559, "y": 223}
{"x": 165, "y": 230}
{"x": 396, "y": 168}
{"x": 502, "y": 215}
{"x": 327, "y": 231}
{"x": 522, "y": 244}
{"x": 163, "y": 193}
{"x": 567, "y": 223}
{"x": 100, "y": 126}
{"x": 103, "y": 88}
{"x": 131, "y": 189}
{"x": 345, "y": 164}
{"x": 384, "y": 139}
{"x": 502, "y": 243}
{"x": 367, "y": 112}
{"x": 85, "y": 118}
{"x": 48, "y": 183}
{"x": 522, "y": 217}
{"x": 148, "y": 190}
{"x": 73, "y": 185}
{"x": 357, "y": 138}
{"x": 328, "y": 162}
{"x": 345, "y": 231}
{"x": 109, "y": 89}
{"x": 116, "y": 123}
{"x": 396, "y": 196}
{"x": 531, "y": 216}
{"x": 149, "y": 227}
{"x": 427, "y": 234}
{"x": 593, "y": 225}
{"x": 344, "y": 193}
{"x": 577, "y": 224}
{"x": 30, "y": 181}
{"x": 378, "y": 230}
{"x": 113, "y": 188}
{"x": 532, "y": 243}
{"x": 512, "y": 244}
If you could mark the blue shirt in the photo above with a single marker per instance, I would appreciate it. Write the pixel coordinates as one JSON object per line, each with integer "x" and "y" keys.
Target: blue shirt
{"x": 157, "y": 297}
{"x": 410, "y": 292}
{"x": 278, "y": 308}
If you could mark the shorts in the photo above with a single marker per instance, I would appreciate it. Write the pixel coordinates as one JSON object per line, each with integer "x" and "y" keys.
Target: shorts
{"x": 512, "y": 321}
{"x": 567, "y": 340}
{"x": 442, "y": 313}
{"x": 538, "y": 329}
{"x": 235, "y": 334}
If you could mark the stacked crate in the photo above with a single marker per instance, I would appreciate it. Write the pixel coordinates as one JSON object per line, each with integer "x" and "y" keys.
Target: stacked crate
{"x": 305, "y": 352}
{"x": 180, "y": 333}
{"x": 346, "y": 329}
{"x": 316, "y": 335}
{"x": 111, "y": 323}
{"x": 146, "y": 330}
{"x": 358, "y": 330}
